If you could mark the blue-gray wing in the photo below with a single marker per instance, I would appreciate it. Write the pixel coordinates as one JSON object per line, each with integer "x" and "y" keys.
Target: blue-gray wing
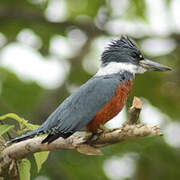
{"x": 80, "y": 108}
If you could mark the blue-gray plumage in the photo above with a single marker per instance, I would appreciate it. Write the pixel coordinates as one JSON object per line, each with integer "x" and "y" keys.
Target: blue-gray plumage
{"x": 80, "y": 108}
{"x": 100, "y": 98}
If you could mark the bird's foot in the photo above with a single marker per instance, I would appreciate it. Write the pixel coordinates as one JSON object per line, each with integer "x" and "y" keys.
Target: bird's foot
{"x": 103, "y": 129}
{"x": 94, "y": 136}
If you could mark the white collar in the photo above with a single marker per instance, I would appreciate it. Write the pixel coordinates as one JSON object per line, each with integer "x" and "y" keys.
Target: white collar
{"x": 115, "y": 67}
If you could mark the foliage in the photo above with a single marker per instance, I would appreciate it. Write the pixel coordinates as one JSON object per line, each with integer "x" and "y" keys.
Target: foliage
{"x": 5, "y": 128}
{"x": 24, "y": 169}
{"x": 25, "y": 164}
{"x": 40, "y": 158}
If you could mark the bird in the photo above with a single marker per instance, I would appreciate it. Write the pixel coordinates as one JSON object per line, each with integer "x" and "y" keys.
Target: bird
{"x": 102, "y": 97}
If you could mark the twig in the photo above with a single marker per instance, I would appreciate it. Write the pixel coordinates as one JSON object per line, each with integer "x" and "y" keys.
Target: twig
{"x": 134, "y": 111}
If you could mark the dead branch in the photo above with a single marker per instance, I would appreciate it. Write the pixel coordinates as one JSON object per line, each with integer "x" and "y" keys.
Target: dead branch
{"x": 130, "y": 130}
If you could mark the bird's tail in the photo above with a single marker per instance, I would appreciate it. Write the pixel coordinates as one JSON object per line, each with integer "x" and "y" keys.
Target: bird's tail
{"x": 28, "y": 135}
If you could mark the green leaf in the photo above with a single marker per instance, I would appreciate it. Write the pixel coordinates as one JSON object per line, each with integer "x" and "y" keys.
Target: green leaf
{"x": 40, "y": 158}
{"x": 24, "y": 169}
{"x": 4, "y": 128}
{"x": 23, "y": 123}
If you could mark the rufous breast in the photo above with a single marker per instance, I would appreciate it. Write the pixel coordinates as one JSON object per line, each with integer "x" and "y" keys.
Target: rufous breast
{"x": 112, "y": 108}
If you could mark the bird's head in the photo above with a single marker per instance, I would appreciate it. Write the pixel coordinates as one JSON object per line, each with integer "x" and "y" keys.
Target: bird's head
{"x": 123, "y": 55}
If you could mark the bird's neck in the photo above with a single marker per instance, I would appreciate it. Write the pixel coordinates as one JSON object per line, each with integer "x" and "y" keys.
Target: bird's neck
{"x": 114, "y": 68}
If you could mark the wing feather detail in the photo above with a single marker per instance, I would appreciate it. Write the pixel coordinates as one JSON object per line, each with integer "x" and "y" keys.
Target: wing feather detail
{"x": 79, "y": 109}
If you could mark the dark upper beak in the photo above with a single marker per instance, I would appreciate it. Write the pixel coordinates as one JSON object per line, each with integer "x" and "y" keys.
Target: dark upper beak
{"x": 151, "y": 65}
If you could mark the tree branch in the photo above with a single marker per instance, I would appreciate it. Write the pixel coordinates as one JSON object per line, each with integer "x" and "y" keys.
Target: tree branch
{"x": 134, "y": 111}
{"x": 130, "y": 130}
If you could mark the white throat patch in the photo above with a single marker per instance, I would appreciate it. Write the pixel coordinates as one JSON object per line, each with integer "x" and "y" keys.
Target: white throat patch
{"x": 115, "y": 67}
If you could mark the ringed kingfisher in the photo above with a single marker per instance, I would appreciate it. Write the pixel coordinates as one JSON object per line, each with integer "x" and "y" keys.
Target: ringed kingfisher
{"x": 102, "y": 97}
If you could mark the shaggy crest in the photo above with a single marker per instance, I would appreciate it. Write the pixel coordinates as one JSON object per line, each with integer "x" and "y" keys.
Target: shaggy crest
{"x": 123, "y": 42}
{"x": 117, "y": 47}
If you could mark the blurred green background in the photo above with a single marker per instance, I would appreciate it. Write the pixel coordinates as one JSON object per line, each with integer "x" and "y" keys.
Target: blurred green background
{"x": 48, "y": 48}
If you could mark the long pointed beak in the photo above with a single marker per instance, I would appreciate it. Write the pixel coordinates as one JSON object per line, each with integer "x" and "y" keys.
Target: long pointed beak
{"x": 151, "y": 65}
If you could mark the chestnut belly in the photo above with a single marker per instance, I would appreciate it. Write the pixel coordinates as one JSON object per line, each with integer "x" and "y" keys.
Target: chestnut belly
{"x": 112, "y": 108}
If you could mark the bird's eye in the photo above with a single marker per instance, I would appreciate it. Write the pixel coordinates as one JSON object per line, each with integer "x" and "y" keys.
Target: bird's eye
{"x": 141, "y": 57}
{"x": 137, "y": 56}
